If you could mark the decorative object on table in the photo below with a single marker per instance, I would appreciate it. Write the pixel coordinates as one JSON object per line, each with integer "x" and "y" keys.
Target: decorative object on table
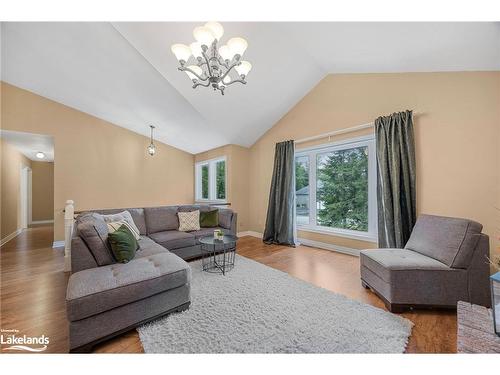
{"x": 218, "y": 234}
{"x": 217, "y": 255}
{"x": 259, "y": 309}
{"x": 475, "y": 329}
{"x": 212, "y": 65}
{"x": 151, "y": 147}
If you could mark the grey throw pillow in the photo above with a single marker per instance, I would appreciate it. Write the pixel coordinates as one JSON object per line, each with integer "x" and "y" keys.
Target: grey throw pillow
{"x": 225, "y": 217}
{"x": 122, "y": 216}
{"x": 94, "y": 232}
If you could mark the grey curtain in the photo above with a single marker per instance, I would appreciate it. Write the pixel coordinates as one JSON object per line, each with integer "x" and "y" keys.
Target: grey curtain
{"x": 396, "y": 179}
{"x": 280, "y": 222}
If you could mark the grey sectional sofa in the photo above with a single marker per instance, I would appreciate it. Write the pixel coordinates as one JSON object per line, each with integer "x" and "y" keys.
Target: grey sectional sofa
{"x": 444, "y": 261}
{"x": 105, "y": 298}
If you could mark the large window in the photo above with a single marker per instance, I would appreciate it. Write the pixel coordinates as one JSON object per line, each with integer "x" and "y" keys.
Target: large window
{"x": 336, "y": 189}
{"x": 210, "y": 180}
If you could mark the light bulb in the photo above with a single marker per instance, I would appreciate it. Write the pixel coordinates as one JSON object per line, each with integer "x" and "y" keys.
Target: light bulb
{"x": 195, "y": 69}
{"x": 203, "y": 35}
{"x": 196, "y": 49}
{"x": 216, "y": 29}
{"x": 226, "y": 53}
{"x": 243, "y": 68}
{"x": 40, "y": 155}
{"x": 151, "y": 149}
{"x": 226, "y": 80}
{"x": 181, "y": 51}
{"x": 237, "y": 46}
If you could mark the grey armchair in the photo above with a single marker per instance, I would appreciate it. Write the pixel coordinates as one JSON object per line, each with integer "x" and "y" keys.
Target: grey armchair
{"x": 444, "y": 261}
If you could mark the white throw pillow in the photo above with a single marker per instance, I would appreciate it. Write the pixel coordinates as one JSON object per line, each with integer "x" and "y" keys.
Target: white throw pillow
{"x": 189, "y": 221}
{"x": 123, "y": 216}
{"x": 114, "y": 226}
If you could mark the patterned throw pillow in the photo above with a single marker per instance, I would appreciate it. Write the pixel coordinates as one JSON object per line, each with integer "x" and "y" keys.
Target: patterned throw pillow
{"x": 114, "y": 226}
{"x": 189, "y": 221}
{"x": 122, "y": 216}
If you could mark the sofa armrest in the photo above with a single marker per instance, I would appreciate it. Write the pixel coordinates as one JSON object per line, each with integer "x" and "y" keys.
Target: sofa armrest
{"x": 234, "y": 223}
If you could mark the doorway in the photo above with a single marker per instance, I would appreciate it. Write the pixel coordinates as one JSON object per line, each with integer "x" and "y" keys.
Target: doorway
{"x": 25, "y": 197}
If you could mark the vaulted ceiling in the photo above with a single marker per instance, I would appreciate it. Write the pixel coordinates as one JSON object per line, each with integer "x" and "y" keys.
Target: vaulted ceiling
{"x": 125, "y": 73}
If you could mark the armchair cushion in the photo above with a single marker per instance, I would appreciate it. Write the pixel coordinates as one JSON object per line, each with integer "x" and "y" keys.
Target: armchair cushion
{"x": 449, "y": 240}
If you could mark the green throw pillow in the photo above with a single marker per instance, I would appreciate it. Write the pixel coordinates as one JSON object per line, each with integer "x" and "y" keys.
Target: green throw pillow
{"x": 123, "y": 244}
{"x": 209, "y": 219}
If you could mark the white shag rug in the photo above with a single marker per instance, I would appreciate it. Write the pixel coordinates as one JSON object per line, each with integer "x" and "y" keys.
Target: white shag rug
{"x": 257, "y": 309}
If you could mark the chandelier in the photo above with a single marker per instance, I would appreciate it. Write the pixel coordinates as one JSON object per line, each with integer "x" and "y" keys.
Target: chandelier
{"x": 212, "y": 66}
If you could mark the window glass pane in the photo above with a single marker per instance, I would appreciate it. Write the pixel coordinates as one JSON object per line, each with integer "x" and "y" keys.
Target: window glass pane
{"x": 204, "y": 181}
{"x": 302, "y": 189}
{"x": 342, "y": 189}
{"x": 220, "y": 181}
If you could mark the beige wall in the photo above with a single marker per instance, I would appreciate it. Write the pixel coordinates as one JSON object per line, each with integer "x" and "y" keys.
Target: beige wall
{"x": 237, "y": 159}
{"x": 457, "y": 138}
{"x": 98, "y": 164}
{"x": 42, "y": 191}
{"x": 11, "y": 161}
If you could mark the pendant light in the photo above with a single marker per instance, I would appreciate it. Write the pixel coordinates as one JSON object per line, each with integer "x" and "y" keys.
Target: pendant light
{"x": 151, "y": 147}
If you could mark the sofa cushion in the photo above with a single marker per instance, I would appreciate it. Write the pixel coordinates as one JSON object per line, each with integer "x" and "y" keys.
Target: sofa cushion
{"x": 94, "y": 232}
{"x": 96, "y": 290}
{"x": 173, "y": 239}
{"x": 148, "y": 247}
{"x": 136, "y": 213}
{"x": 159, "y": 219}
{"x": 450, "y": 240}
{"x": 203, "y": 232}
{"x": 384, "y": 262}
{"x": 225, "y": 217}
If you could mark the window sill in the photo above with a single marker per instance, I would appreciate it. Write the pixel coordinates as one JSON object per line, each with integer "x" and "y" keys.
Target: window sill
{"x": 207, "y": 201}
{"x": 367, "y": 237}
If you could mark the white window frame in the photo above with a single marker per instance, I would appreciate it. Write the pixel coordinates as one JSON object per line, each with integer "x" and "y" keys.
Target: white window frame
{"x": 312, "y": 153}
{"x": 212, "y": 183}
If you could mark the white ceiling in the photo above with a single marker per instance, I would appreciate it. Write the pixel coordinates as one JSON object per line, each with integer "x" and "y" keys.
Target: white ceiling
{"x": 29, "y": 144}
{"x": 126, "y": 74}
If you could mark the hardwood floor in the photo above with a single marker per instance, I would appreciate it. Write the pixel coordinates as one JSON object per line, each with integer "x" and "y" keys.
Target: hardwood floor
{"x": 33, "y": 288}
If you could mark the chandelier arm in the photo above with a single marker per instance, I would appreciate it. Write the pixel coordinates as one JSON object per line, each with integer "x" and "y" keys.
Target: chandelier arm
{"x": 184, "y": 69}
{"x": 208, "y": 64}
{"x": 236, "y": 80}
{"x": 196, "y": 84}
{"x": 229, "y": 69}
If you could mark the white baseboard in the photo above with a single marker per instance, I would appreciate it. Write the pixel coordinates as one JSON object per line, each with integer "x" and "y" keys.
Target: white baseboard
{"x": 3, "y": 241}
{"x": 328, "y": 246}
{"x": 311, "y": 243}
{"x": 58, "y": 244}
{"x": 42, "y": 222}
{"x": 249, "y": 233}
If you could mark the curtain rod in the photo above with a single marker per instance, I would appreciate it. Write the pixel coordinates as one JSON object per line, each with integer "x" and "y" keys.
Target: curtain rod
{"x": 341, "y": 131}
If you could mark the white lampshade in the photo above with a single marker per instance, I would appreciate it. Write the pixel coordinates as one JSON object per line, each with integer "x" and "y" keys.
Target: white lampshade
{"x": 196, "y": 49}
{"x": 226, "y": 80}
{"x": 181, "y": 51}
{"x": 243, "y": 68}
{"x": 237, "y": 46}
{"x": 216, "y": 29}
{"x": 226, "y": 53}
{"x": 195, "y": 69}
{"x": 203, "y": 35}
